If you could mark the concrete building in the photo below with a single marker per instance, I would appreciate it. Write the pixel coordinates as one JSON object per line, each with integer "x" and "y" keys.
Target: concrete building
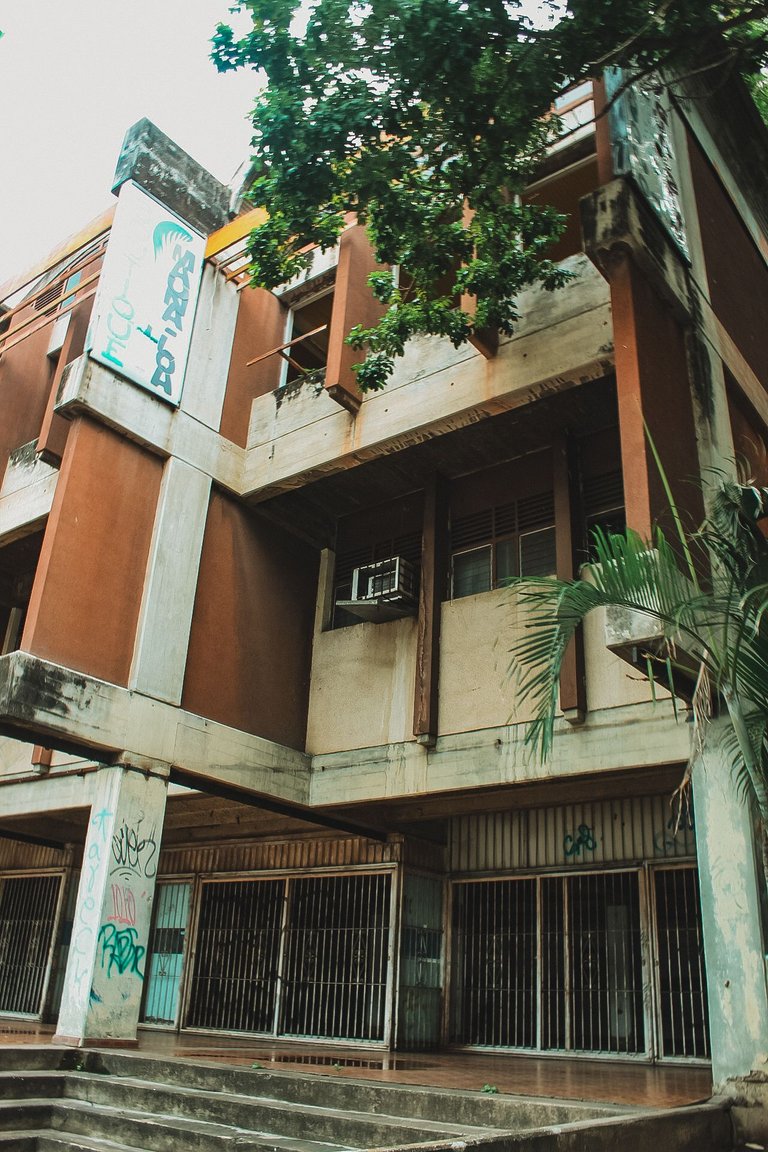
{"x": 262, "y": 766}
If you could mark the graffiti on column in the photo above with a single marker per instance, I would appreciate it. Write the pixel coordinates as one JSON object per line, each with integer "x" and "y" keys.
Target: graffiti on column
{"x": 133, "y": 852}
{"x": 123, "y": 905}
{"x": 87, "y": 918}
{"x": 119, "y": 949}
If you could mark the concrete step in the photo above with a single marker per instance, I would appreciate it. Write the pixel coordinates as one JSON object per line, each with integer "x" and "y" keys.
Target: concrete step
{"x": 66, "y": 1119}
{"x": 351, "y": 1127}
{"x": 448, "y": 1106}
{"x": 47, "y": 1141}
{"x": 152, "y": 1105}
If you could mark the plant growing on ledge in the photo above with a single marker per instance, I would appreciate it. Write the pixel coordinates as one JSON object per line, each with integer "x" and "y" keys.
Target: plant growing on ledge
{"x": 424, "y": 119}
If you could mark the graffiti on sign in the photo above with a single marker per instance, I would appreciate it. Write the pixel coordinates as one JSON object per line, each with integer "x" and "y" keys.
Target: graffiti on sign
{"x": 120, "y": 949}
{"x": 584, "y": 839}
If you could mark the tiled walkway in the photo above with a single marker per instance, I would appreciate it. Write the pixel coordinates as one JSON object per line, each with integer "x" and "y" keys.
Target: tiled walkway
{"x": 619, "y": 1082}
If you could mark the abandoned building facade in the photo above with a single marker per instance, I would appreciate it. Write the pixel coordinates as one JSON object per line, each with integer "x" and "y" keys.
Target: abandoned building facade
{"x": 262, "y": 767}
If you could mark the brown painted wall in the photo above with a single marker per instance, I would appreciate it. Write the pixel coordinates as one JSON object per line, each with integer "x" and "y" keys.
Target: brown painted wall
{"x": 250, "y": 644}
{"x": 27, "y": 374}
{"x": 87, "y": 593}
{"x": 738, "y": 277}
{"x": 260, "y": 327}
{"x": 750, "y": 438}
{"x": 652, "y": 385}
{"x": 563, "y": 192}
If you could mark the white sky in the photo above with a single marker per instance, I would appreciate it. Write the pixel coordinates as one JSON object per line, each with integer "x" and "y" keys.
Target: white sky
{"x": 74, "y": 75}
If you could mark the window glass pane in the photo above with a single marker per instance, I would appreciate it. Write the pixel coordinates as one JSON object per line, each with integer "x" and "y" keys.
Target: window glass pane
{"x": 472, "y": 572}
{"x": 506, "y": 561}
{"x": 537, "y": 553}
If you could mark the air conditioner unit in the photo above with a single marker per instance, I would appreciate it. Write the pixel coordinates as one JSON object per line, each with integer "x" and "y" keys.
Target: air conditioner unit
{"x": 383, "y": 590}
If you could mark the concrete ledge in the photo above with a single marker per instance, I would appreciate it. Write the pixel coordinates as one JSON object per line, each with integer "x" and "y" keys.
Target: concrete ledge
{"x": 564, "y": 338}
{"x": 636, "y": 736}
{"x": 68, "y": 710}
{"x": 158, "y": 164}
{"x": 89, "y": 389}
{"x": 26, "y": 494}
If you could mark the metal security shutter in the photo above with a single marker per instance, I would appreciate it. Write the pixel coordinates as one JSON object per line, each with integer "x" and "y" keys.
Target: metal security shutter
{"x": 28, "y": 907}
{"x": 336, "y": 957}
{"x": 294, "y": 956}
{"x": 494, "y": 965}
{"x": 683, "y": 1018}
{"x": 238, "y": 942}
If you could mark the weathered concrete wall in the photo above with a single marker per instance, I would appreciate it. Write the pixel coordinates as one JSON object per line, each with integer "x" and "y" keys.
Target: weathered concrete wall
{"x": 157, "y": 163}
{"x": 362, "y": 686}
{"x": 476, "y": 690}
{"x": 26, "y": 493}
{"x": 363, "y": 677}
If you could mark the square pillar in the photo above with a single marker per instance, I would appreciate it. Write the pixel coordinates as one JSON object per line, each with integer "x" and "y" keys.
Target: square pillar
{"x": 730, "y": 880}
{"x": 103, "y": 982}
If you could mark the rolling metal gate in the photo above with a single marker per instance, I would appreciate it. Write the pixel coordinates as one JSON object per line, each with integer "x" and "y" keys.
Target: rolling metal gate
{"x": 293, "y": 956}
{"x": 557, "y": 963}
{"x": 28, "y": 911}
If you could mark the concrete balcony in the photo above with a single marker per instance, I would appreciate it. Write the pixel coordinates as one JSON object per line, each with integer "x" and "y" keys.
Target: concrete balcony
{"x": 564, "y": 339}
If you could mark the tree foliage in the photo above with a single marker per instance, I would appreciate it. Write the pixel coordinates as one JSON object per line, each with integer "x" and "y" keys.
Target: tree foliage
{"x": 425, "y": 119}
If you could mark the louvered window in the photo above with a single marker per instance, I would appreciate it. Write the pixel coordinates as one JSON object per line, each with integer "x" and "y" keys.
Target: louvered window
{"x": 604, "y": 503}
{"x": 491, "y": 547}
{"x": 47, "y": 300}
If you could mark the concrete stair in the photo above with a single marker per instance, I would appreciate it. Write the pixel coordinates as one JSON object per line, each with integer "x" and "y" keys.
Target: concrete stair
{"x": 55, "y": 1099}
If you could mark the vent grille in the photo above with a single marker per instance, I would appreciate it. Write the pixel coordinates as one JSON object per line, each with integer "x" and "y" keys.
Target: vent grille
{"x": 603, "y": 492}
{"x": 536, "y": 511}
{"x": 518, "y": 516}
{"x": 46, "y": 301}
{"x": 474, "y": 529}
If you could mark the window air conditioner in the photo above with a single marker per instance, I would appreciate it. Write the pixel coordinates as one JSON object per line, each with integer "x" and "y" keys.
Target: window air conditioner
{"x": 383, "y": 590}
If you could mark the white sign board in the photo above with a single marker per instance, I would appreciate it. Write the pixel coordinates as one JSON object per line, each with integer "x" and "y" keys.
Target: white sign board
{"x": 145, "y": 305}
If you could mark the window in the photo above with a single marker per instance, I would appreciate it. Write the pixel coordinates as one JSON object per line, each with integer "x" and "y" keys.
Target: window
{"x": 18, "y": 562}
{"x": 306, "y": 335}
{"x": 492, "y": 546}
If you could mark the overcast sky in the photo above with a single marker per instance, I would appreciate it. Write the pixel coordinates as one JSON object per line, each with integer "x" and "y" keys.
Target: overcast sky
{"x": 74, "y": 74}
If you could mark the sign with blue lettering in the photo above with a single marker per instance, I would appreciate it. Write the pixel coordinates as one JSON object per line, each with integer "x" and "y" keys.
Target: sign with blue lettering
{"x": 145, "y": 305}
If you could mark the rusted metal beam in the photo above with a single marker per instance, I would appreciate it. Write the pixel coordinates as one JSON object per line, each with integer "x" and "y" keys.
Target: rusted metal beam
{"x": 289, "y": 344}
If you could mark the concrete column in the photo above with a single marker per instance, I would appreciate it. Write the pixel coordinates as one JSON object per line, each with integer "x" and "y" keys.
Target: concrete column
{"x": 730, "y": 907}
{"x": 110, "y": 930}
{"x": 162, "y": 640}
